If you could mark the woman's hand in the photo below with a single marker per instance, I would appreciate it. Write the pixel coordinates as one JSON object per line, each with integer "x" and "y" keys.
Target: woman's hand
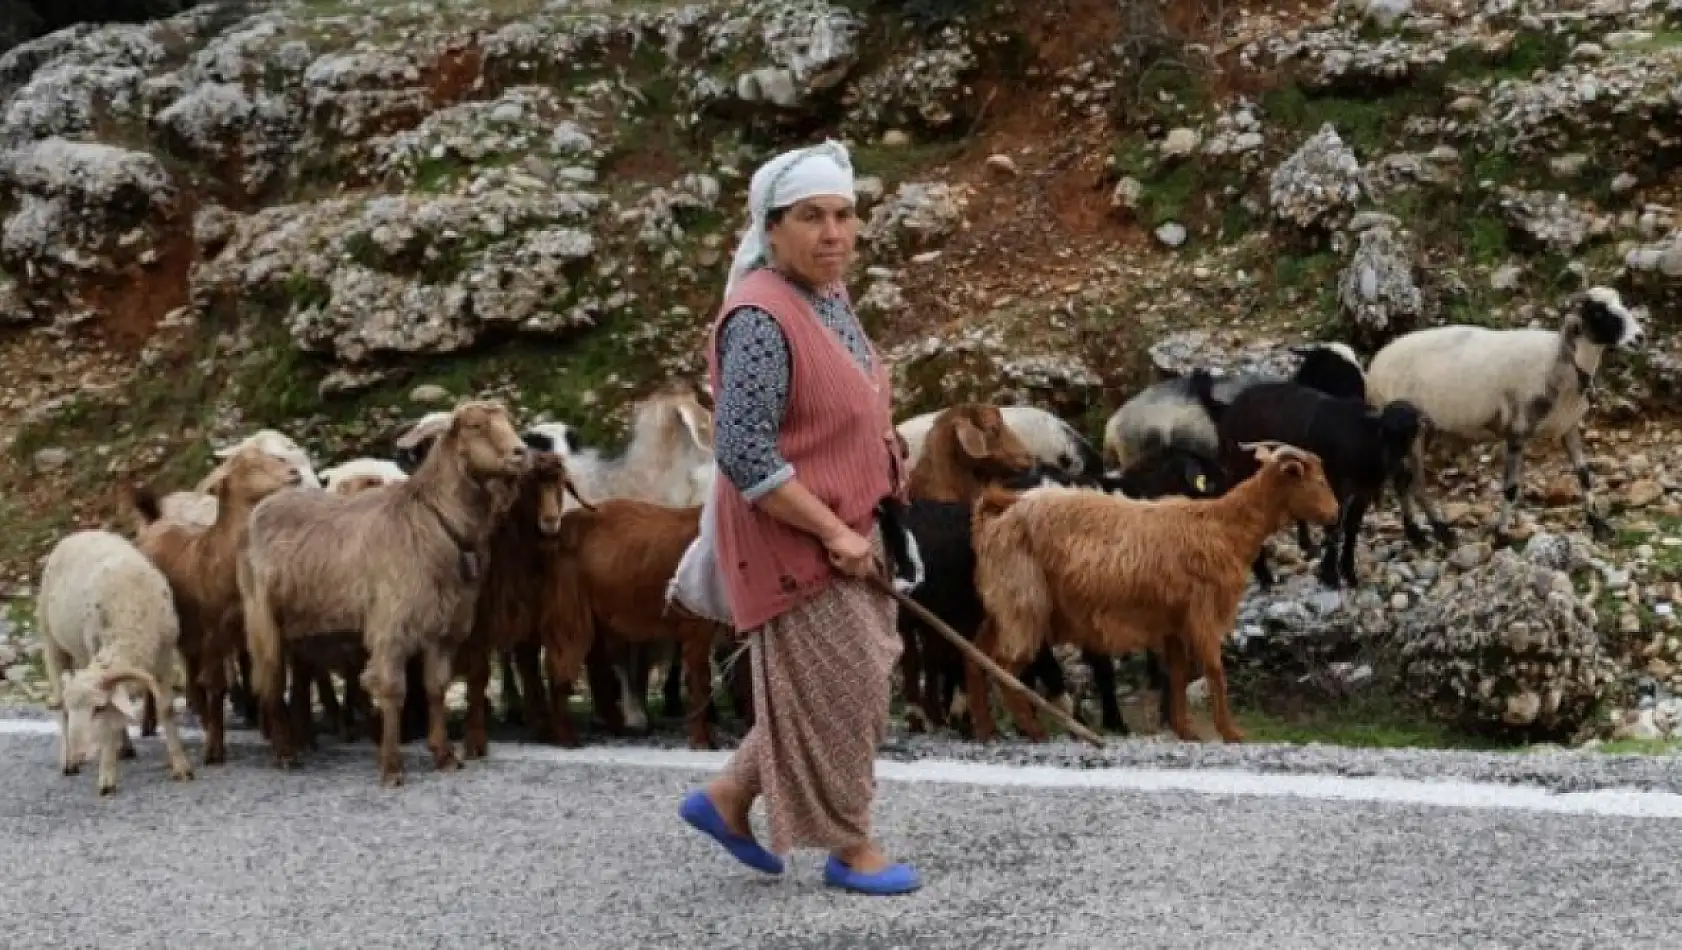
{"x": 850, "y": 553}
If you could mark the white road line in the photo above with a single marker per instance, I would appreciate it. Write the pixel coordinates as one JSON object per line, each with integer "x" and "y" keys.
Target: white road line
{"x": 1628, "y": 803}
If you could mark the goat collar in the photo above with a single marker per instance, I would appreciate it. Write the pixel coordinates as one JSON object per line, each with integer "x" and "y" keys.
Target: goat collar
{"x": 1585, "y": 378}
{"x": 466, "y": 558}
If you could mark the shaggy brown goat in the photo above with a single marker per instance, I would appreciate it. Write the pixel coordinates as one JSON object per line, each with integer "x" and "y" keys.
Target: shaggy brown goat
{"x": 508, "y": 611}
{"x": 402, "y": 564}
{"x": 1115, "y": 576}
{"x": 611, "y": 574}
{"x": 200, "y": 563}
{"x": 967, "y": 447}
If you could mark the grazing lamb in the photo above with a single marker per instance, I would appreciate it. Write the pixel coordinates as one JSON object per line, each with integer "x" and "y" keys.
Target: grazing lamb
{"x": 108, "y": 627}
{"x": 1512, "y": 386}
{"x": 1360, "y": 449}
{"x": 199, "y": 561}
{"x": 1182, "y": 412}
{"x": 1054, "y": 442}
{"x": 401, "y": 565}
{"x": 1115, "y": 575}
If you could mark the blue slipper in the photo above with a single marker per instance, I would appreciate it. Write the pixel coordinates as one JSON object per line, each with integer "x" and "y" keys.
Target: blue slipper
{"x": 698, "y": 810}
{"x": 893, "y": 879}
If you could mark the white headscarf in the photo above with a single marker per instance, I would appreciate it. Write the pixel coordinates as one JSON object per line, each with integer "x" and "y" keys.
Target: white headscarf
{"x": 823, "y": 169}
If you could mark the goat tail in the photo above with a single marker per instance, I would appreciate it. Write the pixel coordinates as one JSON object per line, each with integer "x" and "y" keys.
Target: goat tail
{"x": 142, "y": 502}
{"x": 262, "y": 634}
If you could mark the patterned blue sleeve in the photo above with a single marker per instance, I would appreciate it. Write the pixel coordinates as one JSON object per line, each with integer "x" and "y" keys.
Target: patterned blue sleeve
{"x": 753, "y": 370}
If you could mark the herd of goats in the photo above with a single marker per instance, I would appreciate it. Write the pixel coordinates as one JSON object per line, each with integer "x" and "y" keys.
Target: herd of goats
{"x": 480, "y": 537}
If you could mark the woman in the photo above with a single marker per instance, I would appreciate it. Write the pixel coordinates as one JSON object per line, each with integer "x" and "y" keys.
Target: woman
{"x": 804, "y": 436}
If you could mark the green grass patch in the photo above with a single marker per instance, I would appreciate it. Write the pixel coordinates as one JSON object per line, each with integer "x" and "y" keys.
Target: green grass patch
{"x": 1195, "y": 191}
{"x": 1367, "y": 720}
{"x": 898, "y": 164}
{"x": 1640, "y": 747}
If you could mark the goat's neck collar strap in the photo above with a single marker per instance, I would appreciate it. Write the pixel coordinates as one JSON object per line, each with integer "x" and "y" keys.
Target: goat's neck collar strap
{"x": 460, "y": 542}
{"x": 1585, "y": 377}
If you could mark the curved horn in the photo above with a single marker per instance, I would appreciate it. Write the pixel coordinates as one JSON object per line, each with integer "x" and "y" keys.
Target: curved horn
{"x": 580, "y": 498}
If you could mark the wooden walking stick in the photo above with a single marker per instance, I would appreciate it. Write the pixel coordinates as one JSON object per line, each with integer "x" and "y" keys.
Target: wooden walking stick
{"x": 975, "y": 655}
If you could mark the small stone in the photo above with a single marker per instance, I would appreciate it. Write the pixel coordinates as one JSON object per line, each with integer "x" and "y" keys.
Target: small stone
{"x": 51, "y": 459}
{"x": 1003, "y": 164}
{"x": 1624, "y": 181}
{"x": 1643, "y": 492}
{"x": 1127, "y": 193}
{"x": 1568, "y": 166}
{"x": 1181, "y": 142}
{"x": 1172, "y": 234}
{"x": 429, "y": 393}
{"x": 1561, "y": 490}
{"x": 896, "y": 138}
{"x": 1506, "y": 277}
{"x": 1398, "y": 601}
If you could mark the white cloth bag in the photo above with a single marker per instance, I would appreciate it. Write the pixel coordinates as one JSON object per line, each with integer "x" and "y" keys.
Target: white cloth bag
{"x": 698, "y": 585}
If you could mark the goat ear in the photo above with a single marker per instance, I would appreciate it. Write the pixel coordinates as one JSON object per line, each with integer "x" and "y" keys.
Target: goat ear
{"x": 970, "y": 439}
{"x": 687, "y": 416}
{"x": 1292, "y": 467}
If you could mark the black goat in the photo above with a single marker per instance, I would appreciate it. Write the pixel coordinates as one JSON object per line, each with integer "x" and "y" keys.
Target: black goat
{"x": 1359, "y": 447}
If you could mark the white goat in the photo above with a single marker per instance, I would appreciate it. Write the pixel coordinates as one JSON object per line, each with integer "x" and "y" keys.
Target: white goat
{"x": 1485, "y": 385}
{"x": 669, "y": 460}
{"x": 108, "y": 627}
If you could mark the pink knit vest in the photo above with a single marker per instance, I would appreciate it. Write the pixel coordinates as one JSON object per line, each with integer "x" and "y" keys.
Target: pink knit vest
{"x": 838, "y": 434}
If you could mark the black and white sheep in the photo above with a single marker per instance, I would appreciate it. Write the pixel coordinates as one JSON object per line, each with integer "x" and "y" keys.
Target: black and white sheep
{"x": 1053, "y": 441}
{"x": 1512, "y": 386}
{"x": 1182, "y": 412}
{"x": 1359, "y": 447}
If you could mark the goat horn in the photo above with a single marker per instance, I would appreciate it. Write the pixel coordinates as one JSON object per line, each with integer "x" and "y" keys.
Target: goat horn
{"x": 110, "y": 679}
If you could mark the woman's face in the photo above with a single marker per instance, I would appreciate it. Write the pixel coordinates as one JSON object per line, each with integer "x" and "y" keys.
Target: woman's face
{"x": 814, "y": 239}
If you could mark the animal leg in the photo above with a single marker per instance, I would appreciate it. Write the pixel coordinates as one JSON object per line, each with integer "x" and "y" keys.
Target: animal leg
{"x": 330, "y": 708}
{"x": 1103, "y": 683}
{"x": 298, "y": 703}
{"x": 1215, "y": 673}
{"x": 562, "y": 732}
{"x": 911, "y": 677}
{"x": 476, "y": 669}
{"x": 109, "y": 750}
{"x": 1598, "y": 525}
{"x": 605, "y": 695}
{"x": 528, "y": 664}
{"x": 1174, "y": 653}
{"x": 1355, "y": 511}
{"x": 672, "y": 692}
{"x": 437, "y": 671}
{"x": 698, "y": 675}
{"x": 1409, "y": 484}
{"x": 180, "y": 768}
{"x": 1304, "y": 539}
{"x": 149, "y": 718}
{"x": 247, "y": 693}
{"x": 1047, "y": 672}
{"x": 385, "y": 680}
{"x": 1512, "y": 476}
{"x": 978, "y": 701}
{"x": 631, "y": 658}
{"x": 513, "y": 704}
{"x": 414, "y": 699}
{"x": 213, "y": 677}
{"x": 1258, "y": 567}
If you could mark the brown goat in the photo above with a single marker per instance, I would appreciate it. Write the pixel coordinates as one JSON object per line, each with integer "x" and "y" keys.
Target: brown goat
{"x": 200, "y": 563}
{"x": 508, "y": 613}
{"x": 401, "y": 564}
{"x": 967, "y": 447}
{"x": 610, "y": 574}
{"x": 1115, "y": 576}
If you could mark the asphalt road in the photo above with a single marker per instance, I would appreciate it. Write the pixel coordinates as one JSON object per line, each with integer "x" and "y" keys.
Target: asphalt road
{"x": 530, "y": 850}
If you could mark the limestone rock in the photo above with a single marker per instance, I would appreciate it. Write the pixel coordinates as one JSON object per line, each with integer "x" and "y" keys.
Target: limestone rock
{"x": 1319, "y": 185}
{"x": 1376, "y": 293}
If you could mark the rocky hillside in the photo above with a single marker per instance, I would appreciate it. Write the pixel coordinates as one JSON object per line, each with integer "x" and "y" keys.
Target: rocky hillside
{"x": 327, "y": 216}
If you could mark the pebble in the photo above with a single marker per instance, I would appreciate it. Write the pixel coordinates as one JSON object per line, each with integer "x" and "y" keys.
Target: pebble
{"x": 1172, "y": 234}
{"x": 429, "y": 393}
{"x": 1003, "y": 164}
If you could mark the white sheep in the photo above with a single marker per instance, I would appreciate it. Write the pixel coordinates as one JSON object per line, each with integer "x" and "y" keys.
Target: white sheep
{"x": 199, "y": 505}
{"x": 1513, "y": 386}
{"x": 108, "y": 628}
{"x": 347, "y": 478}
{"x": 1171, "y": 414}
{"x": 1053, "y": 441}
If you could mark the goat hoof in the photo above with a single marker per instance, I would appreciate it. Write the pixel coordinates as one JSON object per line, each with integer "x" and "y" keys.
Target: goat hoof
{"x": 105, "y": 789}
{"x": 391, "y": 779}
{"x": 126, "y": 752}
{"x": 71, "y": 770}
{"x": 182, "y": 773}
